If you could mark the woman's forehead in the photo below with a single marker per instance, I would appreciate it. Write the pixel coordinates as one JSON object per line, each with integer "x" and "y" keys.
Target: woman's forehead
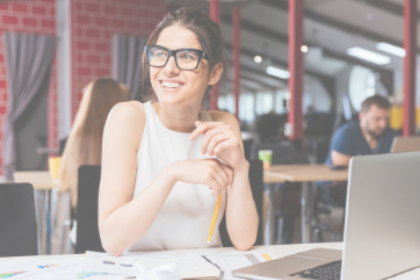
{"x": 176, "y": 37}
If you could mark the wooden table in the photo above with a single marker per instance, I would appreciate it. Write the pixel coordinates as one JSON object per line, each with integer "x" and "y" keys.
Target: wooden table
{"x": 304, "y": 173}
{"x": 279, "y": 250}
{"x": 42, "y": 181}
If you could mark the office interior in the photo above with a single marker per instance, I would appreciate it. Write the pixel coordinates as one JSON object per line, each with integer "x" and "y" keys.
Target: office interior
{"x": 296, "y": 72}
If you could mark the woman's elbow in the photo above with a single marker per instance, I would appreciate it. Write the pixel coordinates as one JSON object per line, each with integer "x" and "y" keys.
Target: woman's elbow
{"x": 111, "y": 247}
{"x": 244, "y": 245}
{"x": 109, "y": 243}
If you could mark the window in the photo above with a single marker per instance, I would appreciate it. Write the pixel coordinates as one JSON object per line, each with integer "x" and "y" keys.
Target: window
{"x": 226, "y": 103}
{"x": 282, "y": 101}
{"x": 264, "y": 103}
{"x": 246, "y": 107}
{"x": 362, "y": 84}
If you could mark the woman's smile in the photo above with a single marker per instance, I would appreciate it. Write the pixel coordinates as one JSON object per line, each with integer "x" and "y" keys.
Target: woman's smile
{"x": 171, "y": 85}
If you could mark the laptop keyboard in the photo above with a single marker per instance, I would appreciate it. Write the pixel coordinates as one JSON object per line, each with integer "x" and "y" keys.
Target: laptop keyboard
{"x": 329, "y": 271}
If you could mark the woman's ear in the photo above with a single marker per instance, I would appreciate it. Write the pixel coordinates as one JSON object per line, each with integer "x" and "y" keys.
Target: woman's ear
{"x": 216, "y": 73}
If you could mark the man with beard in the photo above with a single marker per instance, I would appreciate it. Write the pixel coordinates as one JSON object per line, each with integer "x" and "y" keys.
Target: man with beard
{"x": 370, "y": 135}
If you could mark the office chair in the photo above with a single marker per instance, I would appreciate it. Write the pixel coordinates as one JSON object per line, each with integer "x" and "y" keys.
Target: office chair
{"x": 87, "y": 210}
{"x": 247, "y": 148}
{"x": 288, "y": 208}
{"x": 18, "y": 232}
{"x": 257, "y": 188}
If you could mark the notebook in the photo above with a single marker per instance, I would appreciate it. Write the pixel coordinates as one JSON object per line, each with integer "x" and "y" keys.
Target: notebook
{"x": 189, "y": 268}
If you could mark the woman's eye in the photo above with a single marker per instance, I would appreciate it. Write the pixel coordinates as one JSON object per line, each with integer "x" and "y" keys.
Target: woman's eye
{"x": 186, "y": 56}
{"x": 159, "y": 54}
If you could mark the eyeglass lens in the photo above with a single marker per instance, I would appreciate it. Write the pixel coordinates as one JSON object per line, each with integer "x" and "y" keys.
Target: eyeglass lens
{"x": 185, "y": 59}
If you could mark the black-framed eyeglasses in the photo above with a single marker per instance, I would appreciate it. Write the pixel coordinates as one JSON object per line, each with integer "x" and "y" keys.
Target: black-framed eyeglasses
{"x": 185, "y": 59}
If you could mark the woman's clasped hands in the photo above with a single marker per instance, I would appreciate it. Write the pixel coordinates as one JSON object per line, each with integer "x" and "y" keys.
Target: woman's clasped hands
{"x": 219, "y": 140}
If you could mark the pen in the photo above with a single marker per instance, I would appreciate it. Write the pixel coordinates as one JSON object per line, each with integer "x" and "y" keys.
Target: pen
{"x": 214, "y": 217}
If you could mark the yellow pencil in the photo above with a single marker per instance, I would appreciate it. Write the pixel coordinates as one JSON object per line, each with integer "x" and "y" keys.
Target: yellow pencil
{"x": 214, "y": 217}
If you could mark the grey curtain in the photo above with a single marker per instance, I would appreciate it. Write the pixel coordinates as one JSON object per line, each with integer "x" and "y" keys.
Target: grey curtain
{"x": 126, "y": 61}
{"x": 28, "y": 64}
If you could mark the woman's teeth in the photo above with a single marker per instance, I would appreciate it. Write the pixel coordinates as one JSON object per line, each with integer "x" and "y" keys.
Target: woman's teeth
{"x": 171, "y": 85}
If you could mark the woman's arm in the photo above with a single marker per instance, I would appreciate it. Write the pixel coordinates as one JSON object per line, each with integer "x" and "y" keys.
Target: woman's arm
{"x": 123, "y": 221}
{"x": 223, "y": 139}
{"x": 119, "y": 216}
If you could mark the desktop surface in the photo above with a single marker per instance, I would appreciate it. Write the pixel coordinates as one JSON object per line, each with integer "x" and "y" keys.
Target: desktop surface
{"x": 279, "y": 250}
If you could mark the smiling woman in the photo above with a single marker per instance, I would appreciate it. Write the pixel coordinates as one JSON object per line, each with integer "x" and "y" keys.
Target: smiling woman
{"x": 165, "y": 161}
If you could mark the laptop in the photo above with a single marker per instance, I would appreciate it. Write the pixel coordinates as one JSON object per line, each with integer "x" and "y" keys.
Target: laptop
{"x": 405, "y": 144}
{"x": 382, "y": 230}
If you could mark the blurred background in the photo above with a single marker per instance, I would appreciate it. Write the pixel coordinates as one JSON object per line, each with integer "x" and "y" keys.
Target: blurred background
{"x": 51, "y": 49}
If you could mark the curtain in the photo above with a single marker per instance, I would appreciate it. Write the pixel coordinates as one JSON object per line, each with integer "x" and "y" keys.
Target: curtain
{"x": 28, "y": 64}
{"x": 126, "y": 61}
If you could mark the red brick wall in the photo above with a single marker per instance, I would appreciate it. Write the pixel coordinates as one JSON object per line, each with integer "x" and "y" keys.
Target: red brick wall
{"x": 36, "y": 16}
{"x": 93, "y": 25}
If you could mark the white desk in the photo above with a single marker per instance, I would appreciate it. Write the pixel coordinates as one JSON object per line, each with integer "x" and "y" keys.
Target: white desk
{"x": 278, "y": 250}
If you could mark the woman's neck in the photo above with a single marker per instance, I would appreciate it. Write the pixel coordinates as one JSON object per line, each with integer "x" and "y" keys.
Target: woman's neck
{"x": 180, "y": 118}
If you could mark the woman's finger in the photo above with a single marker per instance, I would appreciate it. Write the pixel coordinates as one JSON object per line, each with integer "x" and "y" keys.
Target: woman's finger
{"x": 222, "y": 146}
{"x": 203, "y": 127}
{"x": 208, "y": 135}
{"x": 216, "y": 140}
{"x": 214, "y": 174}
{"x": 223, "y": 173}
{"x": 229, "y": 173}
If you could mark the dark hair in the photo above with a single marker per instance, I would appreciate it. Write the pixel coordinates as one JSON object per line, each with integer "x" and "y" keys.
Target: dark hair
{"x": 378, "y": 100}
{"x": 206, "y": 30}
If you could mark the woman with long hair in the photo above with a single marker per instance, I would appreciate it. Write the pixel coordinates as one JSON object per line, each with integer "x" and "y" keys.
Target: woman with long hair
{"x": 166, "y": 161}
{"x": 84, "y": 144}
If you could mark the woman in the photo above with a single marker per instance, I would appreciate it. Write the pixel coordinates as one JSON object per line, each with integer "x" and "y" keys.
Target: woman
{"x": 160, "y": 158}
{"x": 84, "y": 145}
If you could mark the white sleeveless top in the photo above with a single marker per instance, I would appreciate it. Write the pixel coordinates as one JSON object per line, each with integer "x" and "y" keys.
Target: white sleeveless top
{"x": 185, "y": 218}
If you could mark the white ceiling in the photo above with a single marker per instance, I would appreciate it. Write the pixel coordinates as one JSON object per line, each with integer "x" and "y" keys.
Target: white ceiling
{"x": 333, "y": 39}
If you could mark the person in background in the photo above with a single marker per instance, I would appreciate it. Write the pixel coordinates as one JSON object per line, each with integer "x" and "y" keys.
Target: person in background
{"x": 370, "y": 135}
{"x": 84, "y": 144}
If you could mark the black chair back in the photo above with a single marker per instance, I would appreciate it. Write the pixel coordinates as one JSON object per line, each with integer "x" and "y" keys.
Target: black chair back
{"x": 87, "y": 210}
{"x": 247, "y": 148}
{"x": 18, "y": 236}
{"x": 257, "y": 187}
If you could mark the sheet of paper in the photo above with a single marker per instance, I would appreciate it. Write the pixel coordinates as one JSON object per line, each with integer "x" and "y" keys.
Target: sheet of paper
{"x": 124, "y": 265}
{"x": 231, "y": 261}
{"x": 32, "y": 268}
{"x": 185, "y": 265}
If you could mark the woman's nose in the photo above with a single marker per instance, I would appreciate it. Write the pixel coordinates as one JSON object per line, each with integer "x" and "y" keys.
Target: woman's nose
{"x": 170, "y": 67}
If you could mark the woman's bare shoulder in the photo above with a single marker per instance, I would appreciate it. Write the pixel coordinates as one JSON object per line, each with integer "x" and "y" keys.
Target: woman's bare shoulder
{"x": 224, "y": 117}
{"x": 127, "y": 119}
{"x": 128, "y": 113}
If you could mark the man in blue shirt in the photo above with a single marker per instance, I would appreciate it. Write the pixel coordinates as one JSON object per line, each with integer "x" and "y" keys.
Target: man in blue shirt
{"x": 370, "y": 135}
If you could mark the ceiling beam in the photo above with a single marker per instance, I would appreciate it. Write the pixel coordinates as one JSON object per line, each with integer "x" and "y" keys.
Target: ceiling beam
{"x": 243, "y": 87}
{"x": 385, "y": 6}
{"x": 250, "y": 76}
{"x": 283, "y": 38}
{"x": 283, "y": 5}
{"x": 251, "y": 53}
